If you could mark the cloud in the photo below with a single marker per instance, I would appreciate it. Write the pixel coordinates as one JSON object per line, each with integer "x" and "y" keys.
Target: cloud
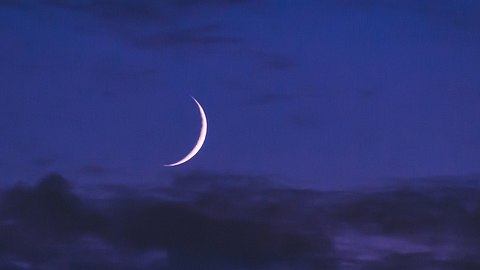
{"x": 270, "y": 98}
{"x": 46, "y": 225}
{"x": 188, "y": 3}
{"x": 207, "y": 240}
{"x": 419, "y": 261}
{"x": 147, "y": 24}
{"x": 215, "y": 221}
{"x": 275, "y": 61}
{"x": 198, "y": 36}
{"x": 51, "y": 206}
{"x": 409, "y": 212}
{"x": 127, "y": 10}
{"x": 459, "y": 14}
{"x": 110, "y": 9}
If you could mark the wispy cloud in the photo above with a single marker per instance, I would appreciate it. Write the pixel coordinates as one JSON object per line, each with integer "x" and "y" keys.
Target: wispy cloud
{"x": 266, "y": 99}
{"x": 110, "y": 9}
{"x": 460, "y": 14}
{"x": 275, "y": 61}
{"x": 199, "y": 36}
{"x": 140, "y": 17}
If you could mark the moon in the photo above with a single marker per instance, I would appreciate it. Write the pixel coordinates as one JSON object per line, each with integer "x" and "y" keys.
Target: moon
{"x": 200, "y": 141}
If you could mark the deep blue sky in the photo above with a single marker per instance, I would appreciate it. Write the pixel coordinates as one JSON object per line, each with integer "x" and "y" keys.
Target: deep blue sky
{"x": 323, "y": 94}
{"x": 326, "y": 94}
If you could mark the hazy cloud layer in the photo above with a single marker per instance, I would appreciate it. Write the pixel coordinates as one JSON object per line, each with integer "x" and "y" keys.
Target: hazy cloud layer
{"x": 209, "y": 221}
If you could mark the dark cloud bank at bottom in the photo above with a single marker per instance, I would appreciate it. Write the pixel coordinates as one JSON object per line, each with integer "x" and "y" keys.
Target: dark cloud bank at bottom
{"x": 207, "y": 221}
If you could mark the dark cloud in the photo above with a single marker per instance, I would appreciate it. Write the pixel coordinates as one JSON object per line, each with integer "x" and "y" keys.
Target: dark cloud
{"x": 183, "y": 231}
{"x": 125, "y": 9}
{"x": 94, "y": 170}
{"x": 269, "y": 98}
{"x": 208, "y": 2}
{"x": 404, "y": 261}
{"x": 277, "y": 97}
{"x": 279, "y": 63}
{"x": 410, "y": 212}
{"x": 460, "y": 14}
{"x": 141, "y": 10}
{"x": 198, "y": 36}
{"x": 421, "y": 261}
{"x": 275, "y": 61}
{"x": 131, "y": 18}
{"x": 51, "y": 206}
{"x": 113, "y": 9}
{"x": 48, "y": 225}
{"x": 214, "y": 221}
{"x": 128, "y": 10}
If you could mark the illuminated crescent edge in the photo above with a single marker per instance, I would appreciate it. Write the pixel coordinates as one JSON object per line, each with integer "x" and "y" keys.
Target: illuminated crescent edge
{"x": 201, "y": 138}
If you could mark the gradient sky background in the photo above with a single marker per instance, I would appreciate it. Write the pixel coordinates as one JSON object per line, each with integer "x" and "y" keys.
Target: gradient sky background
{"x": 302, "y": 97}
{"x": 324, "y": 94}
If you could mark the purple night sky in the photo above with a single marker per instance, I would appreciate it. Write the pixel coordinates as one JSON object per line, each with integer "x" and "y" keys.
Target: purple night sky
{"x": 317, "y": 93}
{"x": 310, "y": 96}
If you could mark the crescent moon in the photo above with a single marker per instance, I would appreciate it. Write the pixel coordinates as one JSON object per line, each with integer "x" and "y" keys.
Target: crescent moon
{"x": 200, "y": 141}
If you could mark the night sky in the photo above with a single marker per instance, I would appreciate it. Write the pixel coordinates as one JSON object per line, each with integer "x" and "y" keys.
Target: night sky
{"x": 343, "y": 134}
